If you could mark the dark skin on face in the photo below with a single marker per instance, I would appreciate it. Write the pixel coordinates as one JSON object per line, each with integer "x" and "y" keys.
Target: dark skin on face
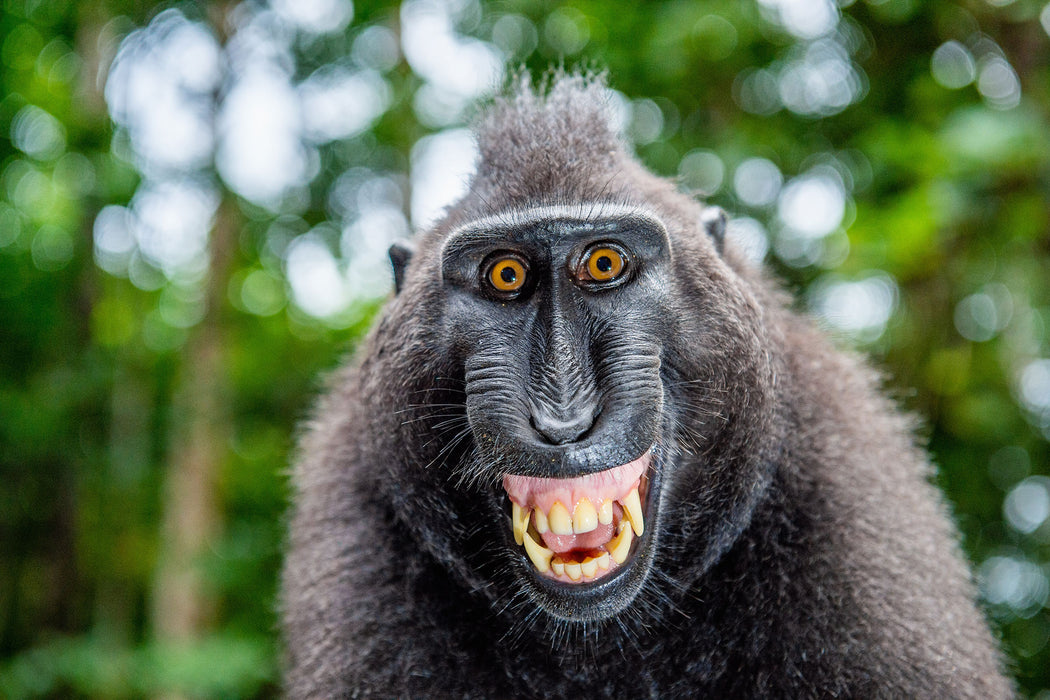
{"x": 579, "y": 360}
{"x": 557, "y": 322}
{"x": 562, "y": 366}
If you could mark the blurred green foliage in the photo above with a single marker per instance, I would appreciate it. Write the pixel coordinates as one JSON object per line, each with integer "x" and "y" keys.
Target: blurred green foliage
{"x": 890, "y": 159}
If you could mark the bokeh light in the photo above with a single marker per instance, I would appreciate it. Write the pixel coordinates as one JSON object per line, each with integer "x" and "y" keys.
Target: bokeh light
{"x": 701, "y": 172}
{"x": 998, "y": 83}
{"x": 318, "y": 286}
{"x": 1027, "y": 506}
{"x": 316, "y": 16}
{"x": 38, "y": 134}
{"x": 159, "y": 89}
{"x": 441, "y": 168}
{"x": 858, "y": 308}
{"x": 806, "y": 19}
{"x": 757, "y": 182}
{"x": 1015, "y": 582}
{"x": 952, "y": 65}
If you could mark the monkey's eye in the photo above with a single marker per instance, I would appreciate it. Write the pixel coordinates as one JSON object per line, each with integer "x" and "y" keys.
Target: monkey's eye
{"x": 507, "y": 274}
{"x": 601, "y": 264}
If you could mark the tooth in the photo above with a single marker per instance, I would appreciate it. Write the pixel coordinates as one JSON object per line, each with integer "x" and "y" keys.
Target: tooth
{"x": 538, "y": 554}
{"x": 618, "y": 546}
{"x": 584, "y": 517}
{"x": 589, "y": 567}
{"x": 632, "y": 506}
{"x": 559, "y": 520}
{"x": 604, "y": 560}
{"x": 573, "y": 571}
{"x": 520, "y": 521}
{"x": 558, "y": 567}
{"x": 539, "y": 519}
{"x": 605, "y": 512}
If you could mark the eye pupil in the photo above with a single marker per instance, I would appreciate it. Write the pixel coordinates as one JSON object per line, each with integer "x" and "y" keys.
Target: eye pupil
{"x": 604, "y": 263}
{"x": 508, "y": 275}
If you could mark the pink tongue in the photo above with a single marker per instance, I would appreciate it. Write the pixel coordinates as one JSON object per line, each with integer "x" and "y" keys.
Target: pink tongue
{"x": 588, "y": 540}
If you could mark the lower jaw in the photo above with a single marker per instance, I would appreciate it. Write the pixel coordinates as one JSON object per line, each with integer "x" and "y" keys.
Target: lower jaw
{"x": 592, "y": 601}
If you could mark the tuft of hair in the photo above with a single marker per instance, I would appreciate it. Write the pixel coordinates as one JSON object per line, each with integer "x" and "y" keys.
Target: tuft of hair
{"x": 548, "y": 143}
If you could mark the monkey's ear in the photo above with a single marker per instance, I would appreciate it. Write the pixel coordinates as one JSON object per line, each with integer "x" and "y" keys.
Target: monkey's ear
{"x": 400, "y": 253}
{"x": 713, "y": 219}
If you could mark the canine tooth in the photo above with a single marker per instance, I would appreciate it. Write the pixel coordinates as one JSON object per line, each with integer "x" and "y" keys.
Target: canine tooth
{"x": 584, "y": 517}
{"x": 520, "y": 521}
{"x": 573, "y": 571}
{"x": 589, "y": 566}
{"x": 558, "y": 566}
{"x": 604, "y": 561}
{"x": 538, "y": 554}
{"x": 620, "y": 545}
{"x": 605, "y": 512}
{"x": 559, "y": 519}
{"x": 632, "y": 506}
{"x": 539, "y": 519}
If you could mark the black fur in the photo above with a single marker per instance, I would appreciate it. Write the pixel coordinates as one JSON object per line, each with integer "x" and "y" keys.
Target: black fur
{"x": 796, "y": 547}
{"x": 400, "y": 255}
{"x": 713, "y": 219}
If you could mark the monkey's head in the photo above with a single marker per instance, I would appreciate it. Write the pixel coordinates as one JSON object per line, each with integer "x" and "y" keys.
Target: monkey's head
{"x": 587, "y": 386}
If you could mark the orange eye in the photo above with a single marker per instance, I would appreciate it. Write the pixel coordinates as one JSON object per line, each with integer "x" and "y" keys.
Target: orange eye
{"x": 507, "y": 275}
{"x": 603, "y": 264}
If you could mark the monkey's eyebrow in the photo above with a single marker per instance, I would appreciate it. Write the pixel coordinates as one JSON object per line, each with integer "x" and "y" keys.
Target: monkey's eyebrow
{"x": 505, "y": 224}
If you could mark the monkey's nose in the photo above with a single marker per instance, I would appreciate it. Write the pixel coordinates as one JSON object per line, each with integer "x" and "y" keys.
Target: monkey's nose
{"x": 561, "y": 430}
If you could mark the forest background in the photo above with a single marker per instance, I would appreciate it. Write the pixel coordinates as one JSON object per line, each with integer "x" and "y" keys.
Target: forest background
{"x": 196, "y": 200}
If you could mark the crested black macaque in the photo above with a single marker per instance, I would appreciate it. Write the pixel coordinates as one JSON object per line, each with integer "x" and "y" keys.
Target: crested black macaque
{"x": 588, "y": 451}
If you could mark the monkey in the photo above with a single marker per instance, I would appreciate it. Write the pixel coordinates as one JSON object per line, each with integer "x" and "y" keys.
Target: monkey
{"x": 588, "y": 449}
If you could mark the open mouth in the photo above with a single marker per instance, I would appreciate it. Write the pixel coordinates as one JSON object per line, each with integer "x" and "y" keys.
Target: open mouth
{"x": 580, "y": 529}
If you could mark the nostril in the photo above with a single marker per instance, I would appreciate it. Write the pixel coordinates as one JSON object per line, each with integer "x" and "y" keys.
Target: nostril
{"x": 559, "y": 431}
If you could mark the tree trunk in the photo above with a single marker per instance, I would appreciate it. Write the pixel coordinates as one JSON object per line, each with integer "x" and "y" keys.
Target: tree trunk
{"x": 183, "y": 602}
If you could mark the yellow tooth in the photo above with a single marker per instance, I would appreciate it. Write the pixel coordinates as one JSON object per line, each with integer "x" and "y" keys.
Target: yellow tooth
{"x": 618, "y": 546}
{"x": 559, "y": 520}
{"x": 632, "y": 506}
{"x": 558, "y": 566}
{"x": 573, "y": 571}
{"x": 604, "y": 560}
{"x": 605, "y": 512}
{"x": 589, "y": 567}
{"x": 538, "y": 554}
{"x": 539, "y": 519}
{"x": 584, "y": 517}
{"x": 520, "y": 521}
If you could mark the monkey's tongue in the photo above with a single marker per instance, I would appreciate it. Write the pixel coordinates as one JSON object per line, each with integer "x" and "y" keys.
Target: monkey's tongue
{"x": 587, "y": 540}
{"x": 581, "y": 528}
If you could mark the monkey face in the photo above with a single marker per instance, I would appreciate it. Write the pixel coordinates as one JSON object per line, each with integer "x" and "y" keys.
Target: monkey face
{"x": 557, "y": 319}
